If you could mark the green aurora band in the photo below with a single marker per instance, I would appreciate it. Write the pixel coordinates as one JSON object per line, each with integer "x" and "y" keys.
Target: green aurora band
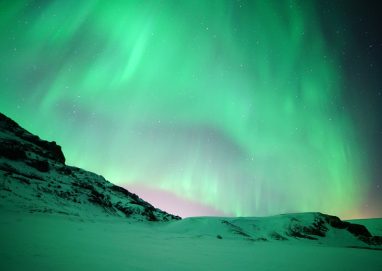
{"x": 236, "y": 105}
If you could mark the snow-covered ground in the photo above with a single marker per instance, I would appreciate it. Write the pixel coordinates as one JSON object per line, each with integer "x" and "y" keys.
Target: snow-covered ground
{"x": 58, "y": 217}
{"x": 57, "y": 242}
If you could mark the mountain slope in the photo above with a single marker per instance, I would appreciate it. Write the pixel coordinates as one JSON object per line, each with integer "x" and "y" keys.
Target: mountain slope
{"x": 34, "y": 178}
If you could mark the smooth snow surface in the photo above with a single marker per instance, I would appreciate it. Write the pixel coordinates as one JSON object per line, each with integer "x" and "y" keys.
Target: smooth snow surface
{"x": 57, "y": 242}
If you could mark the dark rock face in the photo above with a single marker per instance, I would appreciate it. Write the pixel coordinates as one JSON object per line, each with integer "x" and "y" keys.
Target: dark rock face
{"x": 16, "y": 149}
{"x": 317, "y": 229}
{"x": 355, "y": 229}
{"x": 40, "y": 165}
{"x": 358, "y": 230}
{"x": 7, "y": 124}
{"x": 335, "y": 222}
{"x": 321, "y": 224}
{"x": 298, "y": 232}
{"x": 374, "y": 240}
{"x": 12, "y": 150}
{"x": 52, "y": 150}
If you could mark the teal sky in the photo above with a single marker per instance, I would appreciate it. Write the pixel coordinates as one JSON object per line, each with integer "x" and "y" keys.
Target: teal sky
{"x": 236, "y": 106}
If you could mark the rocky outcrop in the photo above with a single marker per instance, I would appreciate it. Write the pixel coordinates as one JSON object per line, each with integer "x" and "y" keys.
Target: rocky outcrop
{"x": 34, "y": 178}
{"x": 323, "y": 222}
{"x": 22, "y": 142}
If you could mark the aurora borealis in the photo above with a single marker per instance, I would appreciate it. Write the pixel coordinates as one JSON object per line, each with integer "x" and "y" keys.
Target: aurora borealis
{"x": 245, "y": 108}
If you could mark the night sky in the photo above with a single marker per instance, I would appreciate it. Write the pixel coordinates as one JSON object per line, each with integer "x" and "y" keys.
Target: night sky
{"x": 243, "y": 108}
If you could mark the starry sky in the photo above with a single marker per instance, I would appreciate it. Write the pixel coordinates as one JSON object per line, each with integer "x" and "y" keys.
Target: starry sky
{"x": 239, "y": 108}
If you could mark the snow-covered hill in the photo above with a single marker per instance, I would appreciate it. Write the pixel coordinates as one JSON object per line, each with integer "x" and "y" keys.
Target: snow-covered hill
{"x": 308, "y": 228}
{"x": 34, "y": 178}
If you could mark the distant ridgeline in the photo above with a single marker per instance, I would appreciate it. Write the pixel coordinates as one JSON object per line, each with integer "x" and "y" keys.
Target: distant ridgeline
{"x": 34, "y": 178}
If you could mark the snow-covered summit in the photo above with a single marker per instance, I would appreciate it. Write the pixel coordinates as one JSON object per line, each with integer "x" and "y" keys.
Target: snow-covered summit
{"x": 35, "y": 178}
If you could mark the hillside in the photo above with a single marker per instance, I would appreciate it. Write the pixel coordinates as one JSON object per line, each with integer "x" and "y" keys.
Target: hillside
{"x": 34, "y": 178}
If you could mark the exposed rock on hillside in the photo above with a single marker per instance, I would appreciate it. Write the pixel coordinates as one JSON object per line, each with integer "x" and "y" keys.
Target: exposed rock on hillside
{"x": 34, "y": 178}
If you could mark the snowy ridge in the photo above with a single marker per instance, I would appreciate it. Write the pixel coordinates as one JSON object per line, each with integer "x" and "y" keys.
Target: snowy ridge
{"x": 34, "y": 178}
{"x": 310, "y": 228}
